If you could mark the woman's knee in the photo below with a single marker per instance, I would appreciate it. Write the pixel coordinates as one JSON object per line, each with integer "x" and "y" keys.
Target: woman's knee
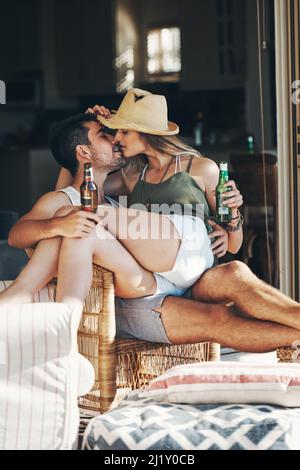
{"x": 79, "y": 243}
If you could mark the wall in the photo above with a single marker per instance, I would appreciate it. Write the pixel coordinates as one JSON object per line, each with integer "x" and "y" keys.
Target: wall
{"x": 20, "y": 28}
{"x": 85, "y": 46}
{"x": 52, "y": 94}
{"x": 200, "y": 63}
{"x": 20, "y": 55}
{"x": 12, "y": 119}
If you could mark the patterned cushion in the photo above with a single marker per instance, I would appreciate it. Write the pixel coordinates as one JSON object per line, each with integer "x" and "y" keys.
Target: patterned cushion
{"x": 228, "y": 382}
{"x": 141, "y": 423}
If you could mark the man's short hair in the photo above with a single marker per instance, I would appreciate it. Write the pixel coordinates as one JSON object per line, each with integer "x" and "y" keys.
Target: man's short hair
{"x": 64, "y": 136}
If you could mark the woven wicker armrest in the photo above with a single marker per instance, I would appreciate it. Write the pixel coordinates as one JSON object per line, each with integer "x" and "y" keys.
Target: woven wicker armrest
{"x": 286, "y": 354}
{"x": 96, "y": 339}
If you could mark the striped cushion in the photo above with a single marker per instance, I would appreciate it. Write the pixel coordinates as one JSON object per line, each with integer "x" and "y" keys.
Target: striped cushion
{"x": 87, "y": 372}
{"x": 39, "y": 369}
{"x": 44, "y": 295}
{"x": 228, "y": 382}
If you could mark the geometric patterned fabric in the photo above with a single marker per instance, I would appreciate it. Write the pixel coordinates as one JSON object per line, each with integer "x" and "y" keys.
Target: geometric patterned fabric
{"x": 143, "y": 424}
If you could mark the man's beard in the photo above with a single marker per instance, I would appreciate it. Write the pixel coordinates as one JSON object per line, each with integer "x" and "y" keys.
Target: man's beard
{"x": 113, "y": 162}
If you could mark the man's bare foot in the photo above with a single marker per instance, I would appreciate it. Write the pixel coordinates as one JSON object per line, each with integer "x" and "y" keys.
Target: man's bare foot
{"x": 15, "y": 295}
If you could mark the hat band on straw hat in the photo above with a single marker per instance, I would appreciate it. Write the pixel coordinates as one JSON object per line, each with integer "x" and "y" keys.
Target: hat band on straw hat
{"x": 114, "y": 123}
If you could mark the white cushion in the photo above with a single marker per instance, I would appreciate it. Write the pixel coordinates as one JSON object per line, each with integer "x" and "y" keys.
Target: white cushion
{"x": 39, "y": 376}
{"x": 87, "y": 372}
{"x": 228, "y": 382}
{"x": 86, "y": 376}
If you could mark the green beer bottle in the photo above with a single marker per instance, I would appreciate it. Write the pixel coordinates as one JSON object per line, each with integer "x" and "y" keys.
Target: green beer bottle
{"x": 250, "y": 144}
{"x": 224, "y": 213}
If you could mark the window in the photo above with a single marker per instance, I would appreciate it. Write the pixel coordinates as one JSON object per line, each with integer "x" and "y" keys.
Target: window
{"x": 163, "y": 47}
{"x": 229, "y": 63}
{"x": 124, "y": 65}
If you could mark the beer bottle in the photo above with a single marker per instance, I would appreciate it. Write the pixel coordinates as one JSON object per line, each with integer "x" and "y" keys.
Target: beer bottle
{"x": 89, "y": 190}
{"x": 250, "y": 144}
{"x": 224, "y": 213}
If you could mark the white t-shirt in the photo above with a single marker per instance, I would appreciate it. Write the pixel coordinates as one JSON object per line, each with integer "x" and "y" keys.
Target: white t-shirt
{"x": 74, "y": 197}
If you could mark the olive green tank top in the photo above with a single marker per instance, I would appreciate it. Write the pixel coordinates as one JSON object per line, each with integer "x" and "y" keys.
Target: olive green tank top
{"x": 179, "y": 191}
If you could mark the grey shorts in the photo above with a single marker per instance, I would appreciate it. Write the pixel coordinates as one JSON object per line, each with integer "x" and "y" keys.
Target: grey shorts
{"x": 137, "y": 318}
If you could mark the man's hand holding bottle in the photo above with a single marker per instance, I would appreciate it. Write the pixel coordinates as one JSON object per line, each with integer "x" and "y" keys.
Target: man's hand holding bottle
{"x": 76, "y": 224}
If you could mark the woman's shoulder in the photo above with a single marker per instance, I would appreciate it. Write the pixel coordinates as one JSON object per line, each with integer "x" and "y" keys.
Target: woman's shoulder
{"x": 205, "y": 164}
{"x": 205, "y": 171}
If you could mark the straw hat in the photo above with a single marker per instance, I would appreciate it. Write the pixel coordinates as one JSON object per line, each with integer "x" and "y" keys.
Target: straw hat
{"x": 143, "y": 112}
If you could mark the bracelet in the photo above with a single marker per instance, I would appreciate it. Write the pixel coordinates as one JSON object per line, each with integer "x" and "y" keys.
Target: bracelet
{"x": 229, "y": 228}
{"x": 238, "y": 216}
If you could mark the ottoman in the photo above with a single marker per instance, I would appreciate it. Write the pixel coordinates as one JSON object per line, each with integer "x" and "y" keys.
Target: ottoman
{"x": 143, "y": 424}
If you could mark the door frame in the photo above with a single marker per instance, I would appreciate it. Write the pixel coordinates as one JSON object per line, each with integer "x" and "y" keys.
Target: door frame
{"x": 288, "y": 123}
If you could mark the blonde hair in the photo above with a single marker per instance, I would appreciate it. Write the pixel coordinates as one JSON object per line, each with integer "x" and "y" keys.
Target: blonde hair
{"x": 171, "y": 145}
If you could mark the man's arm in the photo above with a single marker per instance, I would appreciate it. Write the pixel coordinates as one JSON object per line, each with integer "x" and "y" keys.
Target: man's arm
{"x": 39, "y": 223}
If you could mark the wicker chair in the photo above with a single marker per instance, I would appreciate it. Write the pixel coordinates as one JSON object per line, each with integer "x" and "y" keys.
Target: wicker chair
{"x": 123, "y": 365}
{"x": 286, "y": 354}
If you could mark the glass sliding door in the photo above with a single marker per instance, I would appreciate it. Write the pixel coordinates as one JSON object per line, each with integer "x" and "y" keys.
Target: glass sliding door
{"x": 294, "y": 24}
{"x": 287, "y": 26}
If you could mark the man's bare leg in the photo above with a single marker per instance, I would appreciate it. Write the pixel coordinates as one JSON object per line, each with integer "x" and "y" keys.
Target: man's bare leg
{"x": 40, "y": 269}
{"x": 236, "y": 282}
{"x": 216, "y": 323}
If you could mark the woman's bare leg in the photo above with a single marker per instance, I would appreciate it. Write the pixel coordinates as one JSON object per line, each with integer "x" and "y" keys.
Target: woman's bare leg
{"x": 75, "y": 268}
{"x": 236, "y": 282}
{"x": 40, "y": 269}
{"x": 147, "y": 236}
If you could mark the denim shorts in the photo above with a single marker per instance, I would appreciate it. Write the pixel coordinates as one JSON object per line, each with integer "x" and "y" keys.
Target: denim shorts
{"x": 138, "y": 319}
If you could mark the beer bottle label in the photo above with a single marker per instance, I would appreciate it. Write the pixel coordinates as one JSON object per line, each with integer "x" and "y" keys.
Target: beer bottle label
{"x": 223, "y": 211}
{"x": 86, "y": 201}
{"x": 89, "y": 202}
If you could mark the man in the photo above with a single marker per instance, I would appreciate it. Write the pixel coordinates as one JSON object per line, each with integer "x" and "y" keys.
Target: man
{"x": 275, "y": 318}
{"x": 81, "y": 134}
